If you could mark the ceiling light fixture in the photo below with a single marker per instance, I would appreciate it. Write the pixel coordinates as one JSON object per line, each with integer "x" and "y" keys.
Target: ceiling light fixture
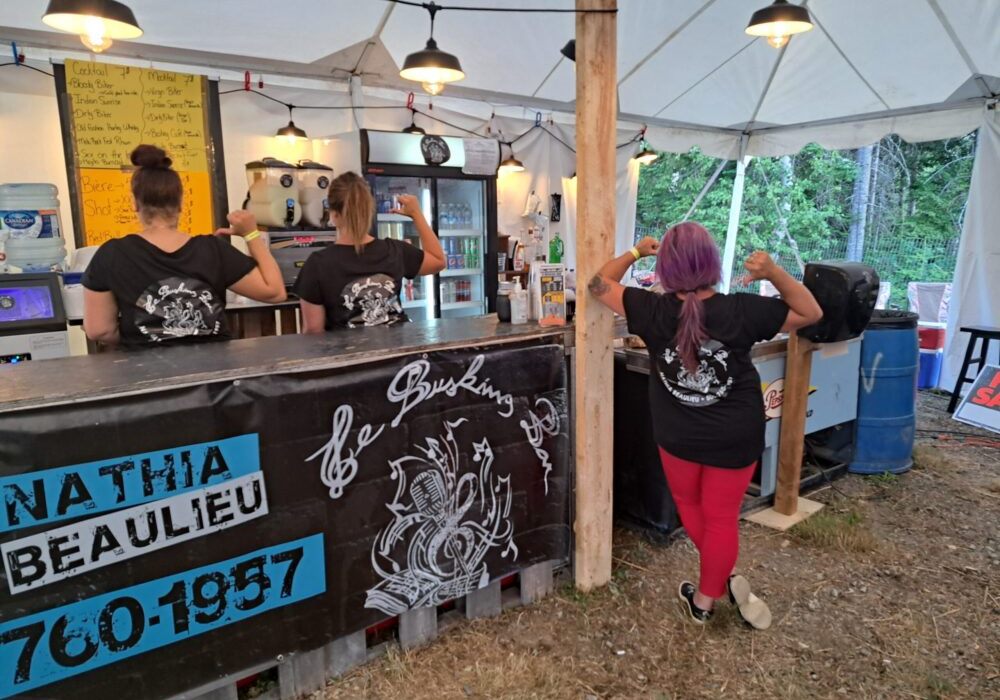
{"x": 510, "y": 164}
{"x": 646, "y": 155}
{"x": 778, "y": 22}
{"x": 291, "y": 133}
{"x": 569, "y": 50}
{"x": 96, "y": 21}
{"x": 432, "y": 67}
{"x": 413, "y": 128}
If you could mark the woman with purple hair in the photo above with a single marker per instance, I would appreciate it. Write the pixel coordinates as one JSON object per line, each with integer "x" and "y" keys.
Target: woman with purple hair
{"x": 705, "y": 395}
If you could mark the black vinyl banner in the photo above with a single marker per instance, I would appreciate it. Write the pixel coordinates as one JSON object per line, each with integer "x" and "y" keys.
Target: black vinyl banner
{"x": 156, "y": 542}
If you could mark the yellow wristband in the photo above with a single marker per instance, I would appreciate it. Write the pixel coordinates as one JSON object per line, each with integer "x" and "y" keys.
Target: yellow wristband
{"x": 635, "y": 253}
{"x": 253, "y": 235}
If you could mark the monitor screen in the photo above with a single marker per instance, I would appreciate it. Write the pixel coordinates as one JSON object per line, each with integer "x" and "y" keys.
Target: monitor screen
{"x": 27, "y": 303}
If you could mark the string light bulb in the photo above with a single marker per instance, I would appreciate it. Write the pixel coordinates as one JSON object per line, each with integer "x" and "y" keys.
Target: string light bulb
{"x": 432, "y": 67}
{"x": 290, "y": 132}
{"x": 778, "y": 22}
{"x": 97, "y": 22}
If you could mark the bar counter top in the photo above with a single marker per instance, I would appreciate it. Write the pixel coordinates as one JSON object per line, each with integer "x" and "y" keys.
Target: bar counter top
{"x": 105, "y": 375}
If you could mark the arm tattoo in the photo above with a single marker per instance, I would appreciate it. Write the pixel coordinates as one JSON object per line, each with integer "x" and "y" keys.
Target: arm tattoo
{"x": 598, "y": 286}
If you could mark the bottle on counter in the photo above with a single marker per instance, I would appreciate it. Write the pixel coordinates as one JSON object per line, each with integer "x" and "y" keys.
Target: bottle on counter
{"x": 518, "y": 304}
{"x": 518, "y": 256}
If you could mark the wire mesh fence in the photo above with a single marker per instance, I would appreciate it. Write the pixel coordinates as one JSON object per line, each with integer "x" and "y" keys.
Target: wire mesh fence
{"x": 898, "y": 260}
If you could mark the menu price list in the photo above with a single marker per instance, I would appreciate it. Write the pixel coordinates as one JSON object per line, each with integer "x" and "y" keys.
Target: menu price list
{"x": 109, "y": 212}
{"x": 115, "y": 108}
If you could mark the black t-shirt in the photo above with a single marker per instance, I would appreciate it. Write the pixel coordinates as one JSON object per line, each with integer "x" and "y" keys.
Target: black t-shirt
{"x": 716, "y": 415}
{"x": 359, "y": 290}
{"x": 168, "y": 297}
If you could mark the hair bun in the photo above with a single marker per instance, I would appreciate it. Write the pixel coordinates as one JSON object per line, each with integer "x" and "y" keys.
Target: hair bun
{"x": 147, "y": 156}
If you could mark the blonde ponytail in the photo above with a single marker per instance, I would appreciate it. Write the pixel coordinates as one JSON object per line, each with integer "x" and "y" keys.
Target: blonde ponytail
{"x": 350, "y": 197}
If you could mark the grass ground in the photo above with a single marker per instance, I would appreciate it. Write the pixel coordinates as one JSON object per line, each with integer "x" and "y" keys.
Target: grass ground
{"x": 892, "y": 591}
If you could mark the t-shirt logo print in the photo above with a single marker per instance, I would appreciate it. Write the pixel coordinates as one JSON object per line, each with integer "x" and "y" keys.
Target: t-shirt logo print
{"x": 706, "y": 386}
{"x": 372, "y": 301}
{"x": 177, "y": 308}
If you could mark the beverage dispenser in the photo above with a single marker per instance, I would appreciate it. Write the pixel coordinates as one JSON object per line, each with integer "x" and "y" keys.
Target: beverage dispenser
{"x": 274, "y": 193}
{"x": 30, "y": 228}
{"x": 847, "y": 292}
{"x": 314, "y": 181}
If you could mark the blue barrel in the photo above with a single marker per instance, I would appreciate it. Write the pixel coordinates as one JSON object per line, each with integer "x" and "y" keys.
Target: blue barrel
{"x": 887, "y": 395}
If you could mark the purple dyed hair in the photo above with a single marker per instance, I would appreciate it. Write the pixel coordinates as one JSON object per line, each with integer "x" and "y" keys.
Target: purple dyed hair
{"x": 689, "y": 262}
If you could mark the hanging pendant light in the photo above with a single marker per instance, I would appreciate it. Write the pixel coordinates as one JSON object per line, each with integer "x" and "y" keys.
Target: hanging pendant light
{"x": 413, "y": 128}
{"x": 96, "y": 21}
{"x": 432, "y": 67}
{"x": 646, "y": 155}
{"x": 510, "y": 164}
{"x": 778, "y": 22}
{"x": 290, "y": 132}
{"x": 569, "y": 50}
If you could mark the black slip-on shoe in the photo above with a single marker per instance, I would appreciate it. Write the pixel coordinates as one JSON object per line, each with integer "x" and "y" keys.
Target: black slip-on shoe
{"x": 686, "y": 593}
{"x": 753, "y": 610}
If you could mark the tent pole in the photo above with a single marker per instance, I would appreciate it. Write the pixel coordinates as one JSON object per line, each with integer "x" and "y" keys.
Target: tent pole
{"x": 593, "y": 374}
{"x": 735, "y": 206}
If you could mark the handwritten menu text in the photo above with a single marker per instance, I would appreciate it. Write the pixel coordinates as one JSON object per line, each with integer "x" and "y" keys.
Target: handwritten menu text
{"x": 115, "y": 108}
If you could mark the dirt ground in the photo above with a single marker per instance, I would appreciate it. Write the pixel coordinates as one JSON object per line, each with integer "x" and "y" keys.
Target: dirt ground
{"x": 892, "y": 591}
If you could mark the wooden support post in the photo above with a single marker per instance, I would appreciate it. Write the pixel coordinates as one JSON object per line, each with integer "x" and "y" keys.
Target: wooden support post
{"x": 798, "y": 366}
{"x": 789, "y": 508}
{"x": 596, "y": 112}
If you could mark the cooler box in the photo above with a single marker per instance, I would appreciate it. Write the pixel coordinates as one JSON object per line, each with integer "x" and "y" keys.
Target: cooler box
{"x": 932, "y": 337}
{"x": 929, "y": 373}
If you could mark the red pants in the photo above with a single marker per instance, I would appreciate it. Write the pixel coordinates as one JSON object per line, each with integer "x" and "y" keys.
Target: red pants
{"x": 708, "y": 500}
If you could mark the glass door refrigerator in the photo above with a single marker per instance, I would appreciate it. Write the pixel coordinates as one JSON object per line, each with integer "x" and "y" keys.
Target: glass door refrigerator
{"x": 461, "y": 208}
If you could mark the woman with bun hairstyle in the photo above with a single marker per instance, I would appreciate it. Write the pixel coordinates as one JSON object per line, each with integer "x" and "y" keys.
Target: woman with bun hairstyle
{"x": 163, "y": 286}
{"x": 704, "y": 392}
{"x": 355, "y": 282}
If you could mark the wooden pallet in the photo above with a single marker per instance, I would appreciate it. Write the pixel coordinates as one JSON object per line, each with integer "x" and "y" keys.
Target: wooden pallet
{"x": 303, "y": 673}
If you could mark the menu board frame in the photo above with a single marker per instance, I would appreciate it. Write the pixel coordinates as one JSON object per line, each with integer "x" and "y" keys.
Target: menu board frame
{"x": 212, "y": 129}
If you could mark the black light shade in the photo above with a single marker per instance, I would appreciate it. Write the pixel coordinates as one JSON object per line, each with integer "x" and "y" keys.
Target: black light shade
{"x": 432, "y": 67}
{"x": 779, "y": 21}
{"x": 96, "y": 21}
{"x": 413, "y": 128}
{"x": 511, "y": 165}
{"x": 646, "y": 155}
{"x": 291, "y": 132}
{"x": 569, "y": 50}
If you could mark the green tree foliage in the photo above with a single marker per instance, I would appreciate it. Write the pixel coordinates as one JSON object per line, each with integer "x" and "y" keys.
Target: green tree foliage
{"x": 916, "y": 203}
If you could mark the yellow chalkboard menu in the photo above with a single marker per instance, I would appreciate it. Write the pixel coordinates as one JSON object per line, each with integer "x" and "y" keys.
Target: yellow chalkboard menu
{"x": 109, "y": 110}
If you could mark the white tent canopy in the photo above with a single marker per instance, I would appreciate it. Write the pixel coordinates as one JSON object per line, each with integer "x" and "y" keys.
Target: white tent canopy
{"x": 923, "y": 69}
{"x": 685, "y": 64}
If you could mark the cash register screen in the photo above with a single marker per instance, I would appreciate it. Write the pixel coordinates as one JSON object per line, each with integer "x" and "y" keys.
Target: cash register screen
{"x": 28, "y": 303}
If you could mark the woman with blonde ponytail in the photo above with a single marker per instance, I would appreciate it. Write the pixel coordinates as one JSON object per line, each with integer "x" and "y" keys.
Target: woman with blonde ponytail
{"x": 355, "y": 283}
{"x": 705, "y": 395}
